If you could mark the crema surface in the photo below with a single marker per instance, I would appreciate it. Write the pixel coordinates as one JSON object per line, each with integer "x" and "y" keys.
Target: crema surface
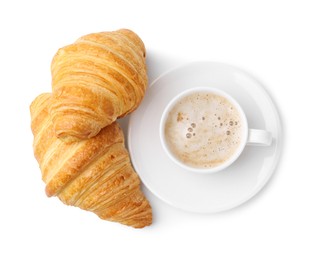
{"x": 203, "y": 130}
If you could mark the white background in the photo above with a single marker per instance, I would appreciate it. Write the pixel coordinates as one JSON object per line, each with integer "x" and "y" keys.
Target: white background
{"x": 271, "y": 39}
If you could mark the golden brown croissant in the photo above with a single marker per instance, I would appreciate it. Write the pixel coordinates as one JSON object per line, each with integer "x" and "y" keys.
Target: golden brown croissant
{"x": 94, "y": 174}
{"x": 100, "y": 77}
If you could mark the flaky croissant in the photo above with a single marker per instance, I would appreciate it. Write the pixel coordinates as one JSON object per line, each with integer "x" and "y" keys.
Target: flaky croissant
{"x": 100, "y": 77}
{"x": 94, "y": 174}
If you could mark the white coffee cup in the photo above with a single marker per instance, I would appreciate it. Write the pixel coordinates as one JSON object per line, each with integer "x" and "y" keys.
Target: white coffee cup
{"x": 222, "y": 148}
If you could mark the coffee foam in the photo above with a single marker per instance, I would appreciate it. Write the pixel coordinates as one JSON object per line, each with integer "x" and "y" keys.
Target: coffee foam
{"x": 203, "y": 130}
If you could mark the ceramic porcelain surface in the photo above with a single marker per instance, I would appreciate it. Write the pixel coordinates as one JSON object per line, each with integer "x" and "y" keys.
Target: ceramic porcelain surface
{"x": 196, "y": 192}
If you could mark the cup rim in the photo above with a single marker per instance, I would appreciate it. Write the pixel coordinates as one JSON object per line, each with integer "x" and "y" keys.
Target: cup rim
{"x": 217, "y": 91}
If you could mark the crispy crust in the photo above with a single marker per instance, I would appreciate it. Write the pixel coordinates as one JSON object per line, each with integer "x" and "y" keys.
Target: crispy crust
{"x": 94, "y": 174}
{"x": 95, "y": 80}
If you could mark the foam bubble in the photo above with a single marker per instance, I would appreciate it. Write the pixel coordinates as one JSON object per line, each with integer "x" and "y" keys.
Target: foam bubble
{"x": 188, "y": 135}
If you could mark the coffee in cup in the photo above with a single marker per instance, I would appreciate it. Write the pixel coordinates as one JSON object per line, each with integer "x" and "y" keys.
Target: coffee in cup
{"x": 205, "y": 129}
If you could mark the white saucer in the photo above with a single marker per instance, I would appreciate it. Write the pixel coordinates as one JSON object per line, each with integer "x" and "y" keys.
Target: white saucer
{"x": 196, "y": 192}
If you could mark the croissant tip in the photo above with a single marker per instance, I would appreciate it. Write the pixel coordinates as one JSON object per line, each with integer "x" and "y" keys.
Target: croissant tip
{"x": 49, "y": 192}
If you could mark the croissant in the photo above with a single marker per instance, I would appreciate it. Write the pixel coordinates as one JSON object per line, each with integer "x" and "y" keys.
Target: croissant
{"x": 100, "y": 77}
{"x": 93, "y": 174}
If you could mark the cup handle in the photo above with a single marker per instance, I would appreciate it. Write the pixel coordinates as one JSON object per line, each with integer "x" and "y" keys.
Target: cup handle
{"x": 259, "y": 137}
